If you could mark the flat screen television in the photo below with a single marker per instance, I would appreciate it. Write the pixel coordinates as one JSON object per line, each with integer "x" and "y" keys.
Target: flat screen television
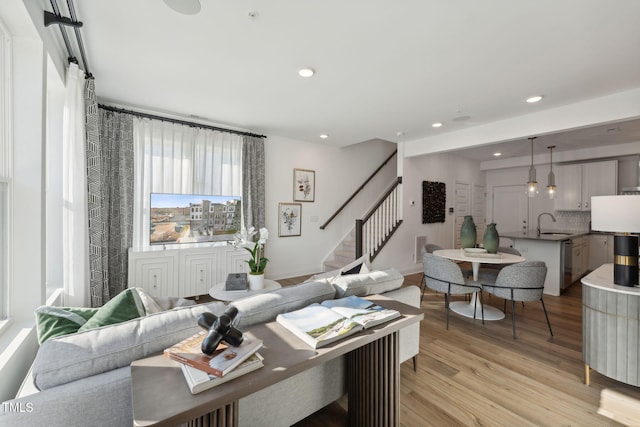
{"x": 193, "y": 218}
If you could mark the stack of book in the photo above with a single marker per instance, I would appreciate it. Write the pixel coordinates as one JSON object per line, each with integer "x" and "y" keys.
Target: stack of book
{"x": 204, "y": 371}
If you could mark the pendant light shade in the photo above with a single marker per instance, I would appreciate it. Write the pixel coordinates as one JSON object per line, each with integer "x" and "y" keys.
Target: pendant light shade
{"x": 532, "y": 184}
{"x": 552, "y": 178}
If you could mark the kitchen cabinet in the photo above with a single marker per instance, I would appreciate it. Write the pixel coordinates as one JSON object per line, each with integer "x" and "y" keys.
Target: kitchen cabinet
{"x": 577, "y": 183}
{"x": 184, "y": 272}
{"x": 600, "y": 250}
{"x": 579, "y": 257}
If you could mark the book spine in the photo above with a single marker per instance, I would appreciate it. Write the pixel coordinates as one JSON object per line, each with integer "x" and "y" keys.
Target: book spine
{"x": 206, "y": 368}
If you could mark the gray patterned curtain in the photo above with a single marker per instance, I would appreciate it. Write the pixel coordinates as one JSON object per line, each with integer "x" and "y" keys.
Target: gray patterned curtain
{"x": 110, "y": 197}
{"x": 253, "y": 181}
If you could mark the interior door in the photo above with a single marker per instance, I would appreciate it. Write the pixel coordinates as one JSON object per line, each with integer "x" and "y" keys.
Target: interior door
{"x": 479, "y": 209}
{"x": 509, "y": 209}
{"x": 462, "y": 208}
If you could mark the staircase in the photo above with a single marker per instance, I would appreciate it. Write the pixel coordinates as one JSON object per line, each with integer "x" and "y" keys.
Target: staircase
{"x": 344, "y": 253}
{"x": 373, "y": 231}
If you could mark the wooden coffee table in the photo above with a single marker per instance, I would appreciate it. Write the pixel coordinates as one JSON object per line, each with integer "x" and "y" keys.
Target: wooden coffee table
{"x": 160, "y": 396}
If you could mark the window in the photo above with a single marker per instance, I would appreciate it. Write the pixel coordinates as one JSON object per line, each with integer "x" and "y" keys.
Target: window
{"x": 182, "y": 159}
{"x": 5, "y": 168}
{"x": 4, "y": 252}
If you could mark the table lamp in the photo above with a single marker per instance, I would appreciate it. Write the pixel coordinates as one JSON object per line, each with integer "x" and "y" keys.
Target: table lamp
{"x": 620, "y": 214}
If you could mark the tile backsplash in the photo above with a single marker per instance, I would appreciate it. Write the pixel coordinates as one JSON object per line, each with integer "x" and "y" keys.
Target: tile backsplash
{"x": 571, "y": 221}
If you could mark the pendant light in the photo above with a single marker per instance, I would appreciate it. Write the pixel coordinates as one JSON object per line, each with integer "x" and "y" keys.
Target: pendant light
{"x": 552, "y": 178}
{"x": 532, "y": 184}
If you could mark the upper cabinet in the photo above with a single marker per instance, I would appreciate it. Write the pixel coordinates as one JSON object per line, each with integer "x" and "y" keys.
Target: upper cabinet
{"x": 577, "y": 183}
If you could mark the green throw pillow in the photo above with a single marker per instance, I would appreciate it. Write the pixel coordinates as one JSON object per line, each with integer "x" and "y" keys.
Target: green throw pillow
{"x": 125, "y": 306}
{"x": 53, "y": 322}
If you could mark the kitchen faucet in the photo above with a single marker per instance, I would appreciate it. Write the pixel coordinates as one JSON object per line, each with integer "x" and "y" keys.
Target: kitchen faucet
{"x": 544, "y": 213}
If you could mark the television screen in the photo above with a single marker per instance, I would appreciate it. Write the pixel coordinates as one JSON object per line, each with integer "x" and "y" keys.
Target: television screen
{"x": 193, "y": 218}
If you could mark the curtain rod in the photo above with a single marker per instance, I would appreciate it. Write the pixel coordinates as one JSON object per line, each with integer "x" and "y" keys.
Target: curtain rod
{"x": 178, "y": 121}
{"x": 57, "y": 18}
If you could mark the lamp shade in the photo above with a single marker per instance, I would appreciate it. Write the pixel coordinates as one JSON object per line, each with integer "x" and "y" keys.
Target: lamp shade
{"x": 618, "y": 214}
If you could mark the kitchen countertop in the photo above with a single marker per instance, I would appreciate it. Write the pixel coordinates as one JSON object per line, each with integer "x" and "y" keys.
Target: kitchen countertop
{"x": 557, "y": 236}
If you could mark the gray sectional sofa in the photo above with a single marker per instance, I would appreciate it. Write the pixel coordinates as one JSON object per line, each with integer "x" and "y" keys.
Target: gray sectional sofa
{"x": 83, "y": 379}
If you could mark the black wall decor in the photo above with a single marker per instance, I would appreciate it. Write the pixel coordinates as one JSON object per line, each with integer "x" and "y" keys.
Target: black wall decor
{"x": 434, "y": 198}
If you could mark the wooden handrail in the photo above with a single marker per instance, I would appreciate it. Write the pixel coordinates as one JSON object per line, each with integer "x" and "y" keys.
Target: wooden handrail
{"x": 355, "y": 193}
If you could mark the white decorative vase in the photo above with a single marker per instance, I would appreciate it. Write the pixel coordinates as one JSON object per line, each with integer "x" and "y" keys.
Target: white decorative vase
{"x": 256, "y": 281}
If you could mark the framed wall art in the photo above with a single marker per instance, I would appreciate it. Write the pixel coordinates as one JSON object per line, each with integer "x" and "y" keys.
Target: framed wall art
{"x": 289, "y": 219}
{"x": 304, "y": 185}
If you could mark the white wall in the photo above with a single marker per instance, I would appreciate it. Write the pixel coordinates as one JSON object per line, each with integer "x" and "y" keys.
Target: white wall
{"x": 338, "y": 173}
{"x": 447, "y": 168}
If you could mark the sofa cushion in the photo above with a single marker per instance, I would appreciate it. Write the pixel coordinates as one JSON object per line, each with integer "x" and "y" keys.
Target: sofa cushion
{"x": 53, "y": 322}
{"x": 374, "y": 282}
{"x": 72, "y": 357}
{"x": 265, "y": 307}
{"x": 125, "y": 306}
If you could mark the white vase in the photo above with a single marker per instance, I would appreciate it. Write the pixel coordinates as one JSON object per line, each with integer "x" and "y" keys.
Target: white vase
{"x": 256, "y": 281}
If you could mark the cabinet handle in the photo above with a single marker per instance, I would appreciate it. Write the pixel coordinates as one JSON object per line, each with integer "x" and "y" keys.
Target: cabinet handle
{"x": 586, "y": 204}
{"x": 579, "y": 204}
{"x": 155, "y": 280}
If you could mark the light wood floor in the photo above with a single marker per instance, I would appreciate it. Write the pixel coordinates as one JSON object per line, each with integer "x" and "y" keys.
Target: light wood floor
{"x": 478, "y": 375}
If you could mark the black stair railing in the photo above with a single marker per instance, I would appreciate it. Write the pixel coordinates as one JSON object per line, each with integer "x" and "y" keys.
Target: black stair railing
{"x": 376, "y": 228}
{"x": 355, "y": 193}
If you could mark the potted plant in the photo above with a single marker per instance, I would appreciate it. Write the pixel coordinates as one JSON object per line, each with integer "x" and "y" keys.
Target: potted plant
{"x": 254, "y": 244}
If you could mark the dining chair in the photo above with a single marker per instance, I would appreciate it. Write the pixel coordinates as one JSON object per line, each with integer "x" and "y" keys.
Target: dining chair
{"x": 427, "y": 249}
{"x": 444, "y": 275}
{"x": 520, "y": 282}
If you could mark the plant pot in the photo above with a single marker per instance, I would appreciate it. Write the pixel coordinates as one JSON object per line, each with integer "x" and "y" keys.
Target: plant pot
{"x": 256, "y": 281}
{"x": 491, "y": 239}
{"x": 468, "y": 234}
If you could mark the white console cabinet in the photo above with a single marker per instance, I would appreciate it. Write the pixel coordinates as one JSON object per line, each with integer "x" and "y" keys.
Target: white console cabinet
{"x": 184, "y": 272}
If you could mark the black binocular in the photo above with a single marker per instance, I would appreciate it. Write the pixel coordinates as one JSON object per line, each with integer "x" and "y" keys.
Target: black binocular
{"x": 220, "y": 328}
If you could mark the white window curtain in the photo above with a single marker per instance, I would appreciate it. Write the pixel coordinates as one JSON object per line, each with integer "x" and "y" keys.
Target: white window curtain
{"x": 175, "y": 158}
{"x": 74, "y": 182}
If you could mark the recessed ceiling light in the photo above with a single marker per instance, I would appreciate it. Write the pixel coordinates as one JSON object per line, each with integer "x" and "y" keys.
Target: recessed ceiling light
{"x": 186, "y": 7}
{"x": 436, "y": 125}
{"x": 324, "y": 136}
{"x": 306, "y": 72}
{"x": 498, "y": 154}
{"x": 533, "y": 99}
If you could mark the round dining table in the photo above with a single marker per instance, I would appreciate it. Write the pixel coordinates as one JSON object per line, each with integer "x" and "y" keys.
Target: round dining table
{"x": 473, "y": 309}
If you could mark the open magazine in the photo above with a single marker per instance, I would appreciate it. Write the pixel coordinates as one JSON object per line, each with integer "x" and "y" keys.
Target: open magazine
{"x": 331, "y": 320}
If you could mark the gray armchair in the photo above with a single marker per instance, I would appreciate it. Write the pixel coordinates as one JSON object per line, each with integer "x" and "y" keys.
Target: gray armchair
{"x": 520, "y": 282}
{"x": 444, "y": 275}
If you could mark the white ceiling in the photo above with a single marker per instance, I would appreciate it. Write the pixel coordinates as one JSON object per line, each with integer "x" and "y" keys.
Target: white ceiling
{"x": 382, "y": 66}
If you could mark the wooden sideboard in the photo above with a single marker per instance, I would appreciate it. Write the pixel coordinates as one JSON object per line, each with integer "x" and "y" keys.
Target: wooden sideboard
{"x": 610, "y": 327}
{"x": 160, "y": 396}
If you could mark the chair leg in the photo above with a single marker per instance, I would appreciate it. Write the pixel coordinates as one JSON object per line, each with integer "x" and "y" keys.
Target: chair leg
{"x": 446, "y": 308}
{"x": 481, "y": 307}
{"x": 415, "y": 363}
{"x": 513, "y": 317}
{"x": 545, "y": 315}
{"x": 423, "y": 286}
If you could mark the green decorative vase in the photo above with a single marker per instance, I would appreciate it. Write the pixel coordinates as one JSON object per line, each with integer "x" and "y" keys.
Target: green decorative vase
{"x": 468, "y": 234}
{"x": 491, "y": 239}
